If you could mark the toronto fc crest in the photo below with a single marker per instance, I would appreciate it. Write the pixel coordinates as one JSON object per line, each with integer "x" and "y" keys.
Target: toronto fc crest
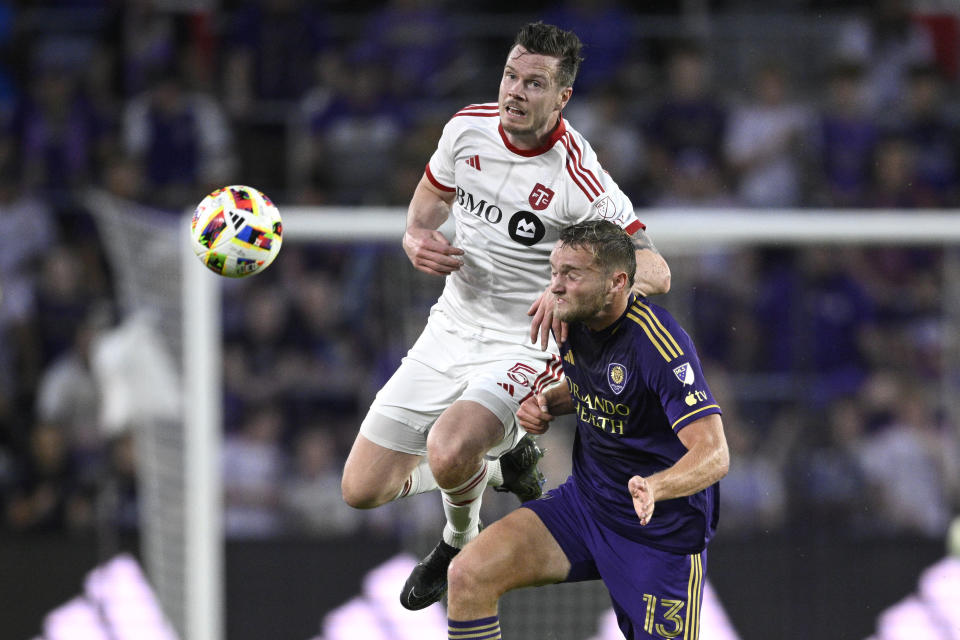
{"x": 540, "y": 197}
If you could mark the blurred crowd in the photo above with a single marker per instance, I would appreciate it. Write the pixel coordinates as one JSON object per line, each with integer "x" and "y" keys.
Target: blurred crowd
{"x": 829, "y": 363}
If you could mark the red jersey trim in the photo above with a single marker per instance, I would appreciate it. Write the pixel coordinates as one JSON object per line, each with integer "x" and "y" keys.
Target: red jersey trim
{"x": 480, "y": 110}
{"x": 576, "y": 180}
{"x": 555, "y": 135}
{"x": 476, "y": 114}
{"x": 635, "y": 226}
{"x": 548, "y": 376}
{"x": 577, "y": 176}
{"x": 589, "y": 176}
{"x": 435, "y": 182}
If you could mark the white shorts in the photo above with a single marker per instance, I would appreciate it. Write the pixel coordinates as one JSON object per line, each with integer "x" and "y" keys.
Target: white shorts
{"x": 450, "y": 363}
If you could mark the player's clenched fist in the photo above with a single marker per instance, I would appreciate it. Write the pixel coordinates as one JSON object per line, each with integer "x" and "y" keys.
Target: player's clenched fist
{"x": 430, "y": 251}
{"x": 533, "y": 414}
{"x": 643, "y": 498}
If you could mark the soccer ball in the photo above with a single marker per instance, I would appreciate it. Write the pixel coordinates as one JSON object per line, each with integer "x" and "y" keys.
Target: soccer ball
{"x": 236, "y": 231}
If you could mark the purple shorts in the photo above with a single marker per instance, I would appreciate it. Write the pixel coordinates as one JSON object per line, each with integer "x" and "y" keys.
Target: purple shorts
{"x": 655, "y": 593}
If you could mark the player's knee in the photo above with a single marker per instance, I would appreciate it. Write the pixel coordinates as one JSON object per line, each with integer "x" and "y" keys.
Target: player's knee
{"x": 464, "y": 579}
{"x": 359, "y": 495}
{"x": 448, "y": 464}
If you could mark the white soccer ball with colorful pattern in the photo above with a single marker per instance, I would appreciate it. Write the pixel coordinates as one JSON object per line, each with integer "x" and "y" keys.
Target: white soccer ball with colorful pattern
{"x": 236, "y": 231}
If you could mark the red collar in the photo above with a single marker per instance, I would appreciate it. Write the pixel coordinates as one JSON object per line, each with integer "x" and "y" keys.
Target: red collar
{"x": 555, "y": 135}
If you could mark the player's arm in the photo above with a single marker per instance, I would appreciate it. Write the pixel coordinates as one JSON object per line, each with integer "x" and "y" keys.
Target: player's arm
{"x": 705, "y": 462}
{"x": 428, "y": 249}
{"x": 538, "y": 410}
{"x": 653, "y": 272}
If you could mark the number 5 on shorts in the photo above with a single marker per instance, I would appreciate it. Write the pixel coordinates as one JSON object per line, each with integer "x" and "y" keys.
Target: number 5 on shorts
{"x": 518, "y": 373}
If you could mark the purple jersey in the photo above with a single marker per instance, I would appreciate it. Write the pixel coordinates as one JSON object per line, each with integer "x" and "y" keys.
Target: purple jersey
{"x": 635, "y": 384}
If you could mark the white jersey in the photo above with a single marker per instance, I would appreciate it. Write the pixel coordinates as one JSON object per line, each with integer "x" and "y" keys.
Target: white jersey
{"x": 509, "y": 207}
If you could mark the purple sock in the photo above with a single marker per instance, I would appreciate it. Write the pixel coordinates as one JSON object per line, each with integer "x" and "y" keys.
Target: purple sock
{"x": 482, "y": 629}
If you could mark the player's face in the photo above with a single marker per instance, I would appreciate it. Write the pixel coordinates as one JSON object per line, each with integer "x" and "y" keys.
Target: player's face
{"x": 530, "y": 97}
{"x": 580, "y": 288}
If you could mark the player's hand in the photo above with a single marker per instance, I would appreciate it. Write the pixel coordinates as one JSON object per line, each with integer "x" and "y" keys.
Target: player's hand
{"x": 544, "y": 320}
{"x": 430, "y": 251}
{"x": 643, "y": 498}
{"x": 534, "y": 415}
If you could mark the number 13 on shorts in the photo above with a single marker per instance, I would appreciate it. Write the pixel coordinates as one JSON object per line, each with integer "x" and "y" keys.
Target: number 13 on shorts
{"x": 673, "y": 617}
{"x": 671, "y": 613}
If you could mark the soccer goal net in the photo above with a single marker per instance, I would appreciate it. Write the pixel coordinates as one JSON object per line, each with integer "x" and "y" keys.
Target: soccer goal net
{"x": 182, "y": 520}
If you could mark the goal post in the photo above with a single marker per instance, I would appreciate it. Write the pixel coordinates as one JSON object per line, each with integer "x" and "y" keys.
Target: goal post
{"x": 203, "y": 558}
{"x": 670, "y": 229}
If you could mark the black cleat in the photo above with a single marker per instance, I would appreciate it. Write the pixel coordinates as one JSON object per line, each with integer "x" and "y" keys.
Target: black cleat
{"x": 428, "y": 580}
{"x": 521, "y": 477}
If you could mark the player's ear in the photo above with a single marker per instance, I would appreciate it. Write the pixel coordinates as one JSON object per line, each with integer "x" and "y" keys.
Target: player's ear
{"x": 564, "y": 98}
{"x": 621, "y": 281}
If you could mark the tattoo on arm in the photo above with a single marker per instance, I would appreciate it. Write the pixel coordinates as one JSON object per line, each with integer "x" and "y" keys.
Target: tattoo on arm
{"x": 642, "y": 241}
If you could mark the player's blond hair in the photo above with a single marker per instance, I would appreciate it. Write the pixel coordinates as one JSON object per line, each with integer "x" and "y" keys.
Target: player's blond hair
{"x": 610, "y": 245}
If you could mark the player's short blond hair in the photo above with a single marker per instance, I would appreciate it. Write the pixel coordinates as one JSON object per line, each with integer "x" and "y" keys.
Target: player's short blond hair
{"x": 610, "y": 245}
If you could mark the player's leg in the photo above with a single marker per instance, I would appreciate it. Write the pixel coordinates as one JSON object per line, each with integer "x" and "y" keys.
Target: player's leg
{"x": 514, "y": 552}
{"x": 455, "y": 450}
{"x": 459, "y": 439}
{"x": 463, "y": 449}
{"x": 482, "y": 425}
{"x": 374, "y": 475}
{"x": 387, "y": 459}
{"x": 492, "y": 397}
{"x": 543, "y": 542}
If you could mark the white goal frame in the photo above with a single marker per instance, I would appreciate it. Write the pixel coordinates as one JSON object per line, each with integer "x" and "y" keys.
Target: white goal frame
{"x": 671, "y": 230}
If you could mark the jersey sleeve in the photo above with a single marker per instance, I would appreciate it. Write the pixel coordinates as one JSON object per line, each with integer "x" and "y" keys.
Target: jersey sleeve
{"x": 593, "y": 189}
{"x": 672, "y": 368}
{"x": 440, "y": 169}
{"x": 614, "y": 205}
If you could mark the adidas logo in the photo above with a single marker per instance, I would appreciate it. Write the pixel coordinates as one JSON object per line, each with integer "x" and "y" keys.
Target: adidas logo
{"x": 569, "y": 358}
{"x": 117, "y": 602}
{"x": 474, "y": 162}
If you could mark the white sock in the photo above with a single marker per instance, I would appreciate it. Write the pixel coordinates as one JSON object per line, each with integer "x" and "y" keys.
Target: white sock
{"x": 420, "y": 481}
{"x": 494, "y": 475}
{"x": 461, "y": 504}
